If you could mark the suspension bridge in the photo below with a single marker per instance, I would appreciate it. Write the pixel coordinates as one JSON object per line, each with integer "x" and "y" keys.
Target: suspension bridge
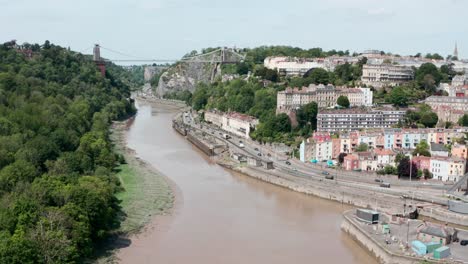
{"x": 222, "y": 55}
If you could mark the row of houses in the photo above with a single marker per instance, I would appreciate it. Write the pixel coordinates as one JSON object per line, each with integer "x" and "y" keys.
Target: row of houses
{"x": 232, "y": 122}
{"x": 383, "y": 146}
{"x": 324, "y": 95}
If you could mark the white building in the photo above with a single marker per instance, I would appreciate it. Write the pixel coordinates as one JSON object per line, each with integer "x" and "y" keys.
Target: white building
{"x": 324, "y": 95}
{"x": 367, "y": 95}
{"x": 315, "y": 150}
{"x": 214, "y": 117}
{"x": 236, "y": 123}
{"x": 357, "y": 119}
{"x": 386, "y": 74}
{"x": 447, "y": 169}
{"x": 324, "y": 150}
{"x": 291, "y": 66}
{"x": 460, "y": 80}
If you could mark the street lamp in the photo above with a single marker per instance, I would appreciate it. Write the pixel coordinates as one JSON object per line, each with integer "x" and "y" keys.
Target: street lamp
{"x": 410, "y": 166}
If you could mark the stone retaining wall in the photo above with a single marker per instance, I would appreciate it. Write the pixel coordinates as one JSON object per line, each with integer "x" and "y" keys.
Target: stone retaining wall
{"x": 381, "y": 253}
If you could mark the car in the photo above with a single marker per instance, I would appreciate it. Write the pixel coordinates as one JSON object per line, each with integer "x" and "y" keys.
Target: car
{"x": 256, "y": 149}
{"x": 385, "y": 185}
{"x": 329, "y": 177}
{"x": 241, "y": 145}
{"x": 378, "y": 180}
{"x": 259, "y": 154}
{"x": 288, "y": 163}
{"x": 325, "y": 173}
{"x": 294, "y": 169}
{"x": 269, "y": 155}
{"x": 464, "y": 242}
{"x": 240, "y": 141}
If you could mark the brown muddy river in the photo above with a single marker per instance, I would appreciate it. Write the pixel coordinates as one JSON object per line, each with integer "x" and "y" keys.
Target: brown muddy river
{"x": 222, "y": 217}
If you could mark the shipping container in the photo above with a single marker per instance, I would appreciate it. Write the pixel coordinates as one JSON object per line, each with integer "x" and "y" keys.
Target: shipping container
{"x": 368, "y": 216}
{"x": 418, "y": 247}
{"x": 431, "y": 246}
{"x": 442, "y": 252}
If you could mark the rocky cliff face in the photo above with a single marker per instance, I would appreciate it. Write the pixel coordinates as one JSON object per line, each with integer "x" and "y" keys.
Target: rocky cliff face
{"x": 185, "y": 76}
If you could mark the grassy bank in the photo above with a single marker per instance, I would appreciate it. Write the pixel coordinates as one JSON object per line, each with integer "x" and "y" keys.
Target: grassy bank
{"x": 146, "y": 191}
{"x": 146, "y": 194}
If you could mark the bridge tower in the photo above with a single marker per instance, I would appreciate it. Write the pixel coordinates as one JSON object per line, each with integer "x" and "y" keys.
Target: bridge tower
{"x": 98, "y": 60}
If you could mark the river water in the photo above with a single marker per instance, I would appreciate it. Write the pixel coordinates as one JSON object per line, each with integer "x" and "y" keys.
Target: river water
{"x": 223, "y": 217}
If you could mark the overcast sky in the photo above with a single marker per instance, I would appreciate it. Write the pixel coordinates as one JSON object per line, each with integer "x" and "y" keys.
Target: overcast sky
{"x": 167, "y": 29}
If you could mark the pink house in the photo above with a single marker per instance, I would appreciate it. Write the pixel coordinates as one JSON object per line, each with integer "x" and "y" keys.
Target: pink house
{"x": 351, "y": 162}
{"x": 398, "y": 140}
{"x": 422, "y": 162}
{"x": 354, "y": 139}
{"x": 460, "y": 151}
{"x": 321, "y": 136}
{"x": 336, "y": 145}
{"x": 380, "y": 141}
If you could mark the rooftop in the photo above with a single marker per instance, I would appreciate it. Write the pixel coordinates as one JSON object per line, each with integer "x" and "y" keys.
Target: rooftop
{"x": 438, "y": 147}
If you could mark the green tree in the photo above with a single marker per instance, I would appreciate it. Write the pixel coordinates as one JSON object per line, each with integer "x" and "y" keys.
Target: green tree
{"x": 398, "y": 97}
{"x": 429, "y": 119}
{"x": 343, "y": 101}
{"x": 422, "y": 149}
{"x": 307, "y": 115}
{"x": 318, "y": 76}
{"x": 362, "y": 147}
{"x": 463, "y": 121}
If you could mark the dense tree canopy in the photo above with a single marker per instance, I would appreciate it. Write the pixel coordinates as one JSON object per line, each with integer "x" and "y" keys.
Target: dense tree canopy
{"x": 343, "y": 101}
{"x": 56, "y": 186}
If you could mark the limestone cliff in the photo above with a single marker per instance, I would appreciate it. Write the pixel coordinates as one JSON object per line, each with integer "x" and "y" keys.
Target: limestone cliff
{"x": 185, "y": 76}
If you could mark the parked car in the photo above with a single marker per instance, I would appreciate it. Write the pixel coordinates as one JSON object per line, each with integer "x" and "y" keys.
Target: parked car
{"x": 288, "y": 163}
{"x": 385, "y": 185}
{"x": 241, "y": 145}
{"x": 378, "y": 180}
{"x": 325, "y": 173}
{"x": 259, "y": 154}
{"x": 464, "y": 242}
{"x": 256, "y": 149}
{"x": 329, "y": 177}
{"x": 240, "y": 141}
{"x": 269, "y": 155}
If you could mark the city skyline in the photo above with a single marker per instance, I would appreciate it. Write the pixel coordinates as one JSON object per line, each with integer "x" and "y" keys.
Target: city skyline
{"x": 136, "y": 27}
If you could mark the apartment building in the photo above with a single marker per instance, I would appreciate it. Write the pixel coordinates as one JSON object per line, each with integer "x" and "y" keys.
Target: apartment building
{"x": 379, "y": 75}
{"x": 324, "y": 95}
{"x": 357, "y": 119}
{"x": 460, "y": 80}
{"x": 292, "y": 66}
{"x": 458, "y": 103}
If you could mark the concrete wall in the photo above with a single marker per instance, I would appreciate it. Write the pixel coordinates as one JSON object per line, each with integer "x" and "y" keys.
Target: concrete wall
{"x": 458, "y": 207}
{"x": 199, "y": 144}
{"x": 382, "y": 254}
{"x": 179, "y": 128}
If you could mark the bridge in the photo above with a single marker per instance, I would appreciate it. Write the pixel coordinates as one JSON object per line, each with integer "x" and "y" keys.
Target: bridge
{"x": 222, "y": 55}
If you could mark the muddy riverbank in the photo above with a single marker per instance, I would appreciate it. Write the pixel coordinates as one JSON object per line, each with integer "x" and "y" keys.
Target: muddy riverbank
{"x": 225, "y": 217}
